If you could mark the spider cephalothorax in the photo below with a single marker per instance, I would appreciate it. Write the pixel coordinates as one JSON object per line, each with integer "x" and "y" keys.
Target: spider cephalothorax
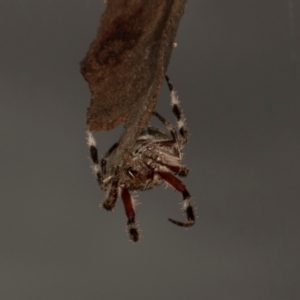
{"x": 155, "y": 159}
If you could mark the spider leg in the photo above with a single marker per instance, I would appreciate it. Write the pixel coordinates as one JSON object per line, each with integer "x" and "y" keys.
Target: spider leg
{"x": 110, "y": 201}
{"x": 132, "y": 227}
{"x": 182, "y": 127}
{"x": 168, "y": 125}
{"x": 179, "y": 170}
{"x": 170, "y": 163}
{"x": 112, "y": 195}
{"x": 173, "y": 133}
{"x": 99, "y": 171}
{"x": 94, "y": 156}
{"x": 187, "y": 205}
{"x": 105, "y": 157}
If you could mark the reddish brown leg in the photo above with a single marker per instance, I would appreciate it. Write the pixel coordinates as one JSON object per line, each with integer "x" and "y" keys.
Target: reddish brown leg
{"x": 187, "y": 206}
{"x": 130, "y": 213}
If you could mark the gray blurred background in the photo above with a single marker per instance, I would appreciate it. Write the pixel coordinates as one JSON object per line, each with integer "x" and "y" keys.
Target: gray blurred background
{"x": 237, "y": 72}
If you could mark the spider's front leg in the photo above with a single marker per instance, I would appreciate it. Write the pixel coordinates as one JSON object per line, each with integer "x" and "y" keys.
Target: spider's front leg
{"x": 106, "y": 156}
{"x": 110, "y": 200}
{"x": 91, "y": 142}
{"x": 187, "y": 205}
{"x": 100, "y": 172}
{"x": 129, "y": 206}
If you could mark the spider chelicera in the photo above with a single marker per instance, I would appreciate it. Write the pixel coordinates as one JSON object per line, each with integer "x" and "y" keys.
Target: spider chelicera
{"x": 155, "y": 159}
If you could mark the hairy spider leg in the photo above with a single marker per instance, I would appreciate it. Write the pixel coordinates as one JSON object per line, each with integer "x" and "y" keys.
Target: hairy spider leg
{"x": 187, "y": 205}
{"x": 168, "y": 126}
{"x": 94, "y": 155}
{"x": 110, "y": 201}
{"x": 177, "y": 169}
{"x": 129, "y": 206}
{"x": 105, "y": 157}
{"x": 111, "y": 198}
{"x": 182, "y": 127}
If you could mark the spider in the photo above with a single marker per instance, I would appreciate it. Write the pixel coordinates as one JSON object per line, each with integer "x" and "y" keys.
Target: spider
{"x": 155, "y": 159}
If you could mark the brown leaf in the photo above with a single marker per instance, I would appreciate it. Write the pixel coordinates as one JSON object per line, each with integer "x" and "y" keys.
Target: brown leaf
{"x": 127, "y": 62}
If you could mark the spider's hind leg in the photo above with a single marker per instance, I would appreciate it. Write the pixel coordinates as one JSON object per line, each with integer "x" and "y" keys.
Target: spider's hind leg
{"x": 187, "y": 205}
